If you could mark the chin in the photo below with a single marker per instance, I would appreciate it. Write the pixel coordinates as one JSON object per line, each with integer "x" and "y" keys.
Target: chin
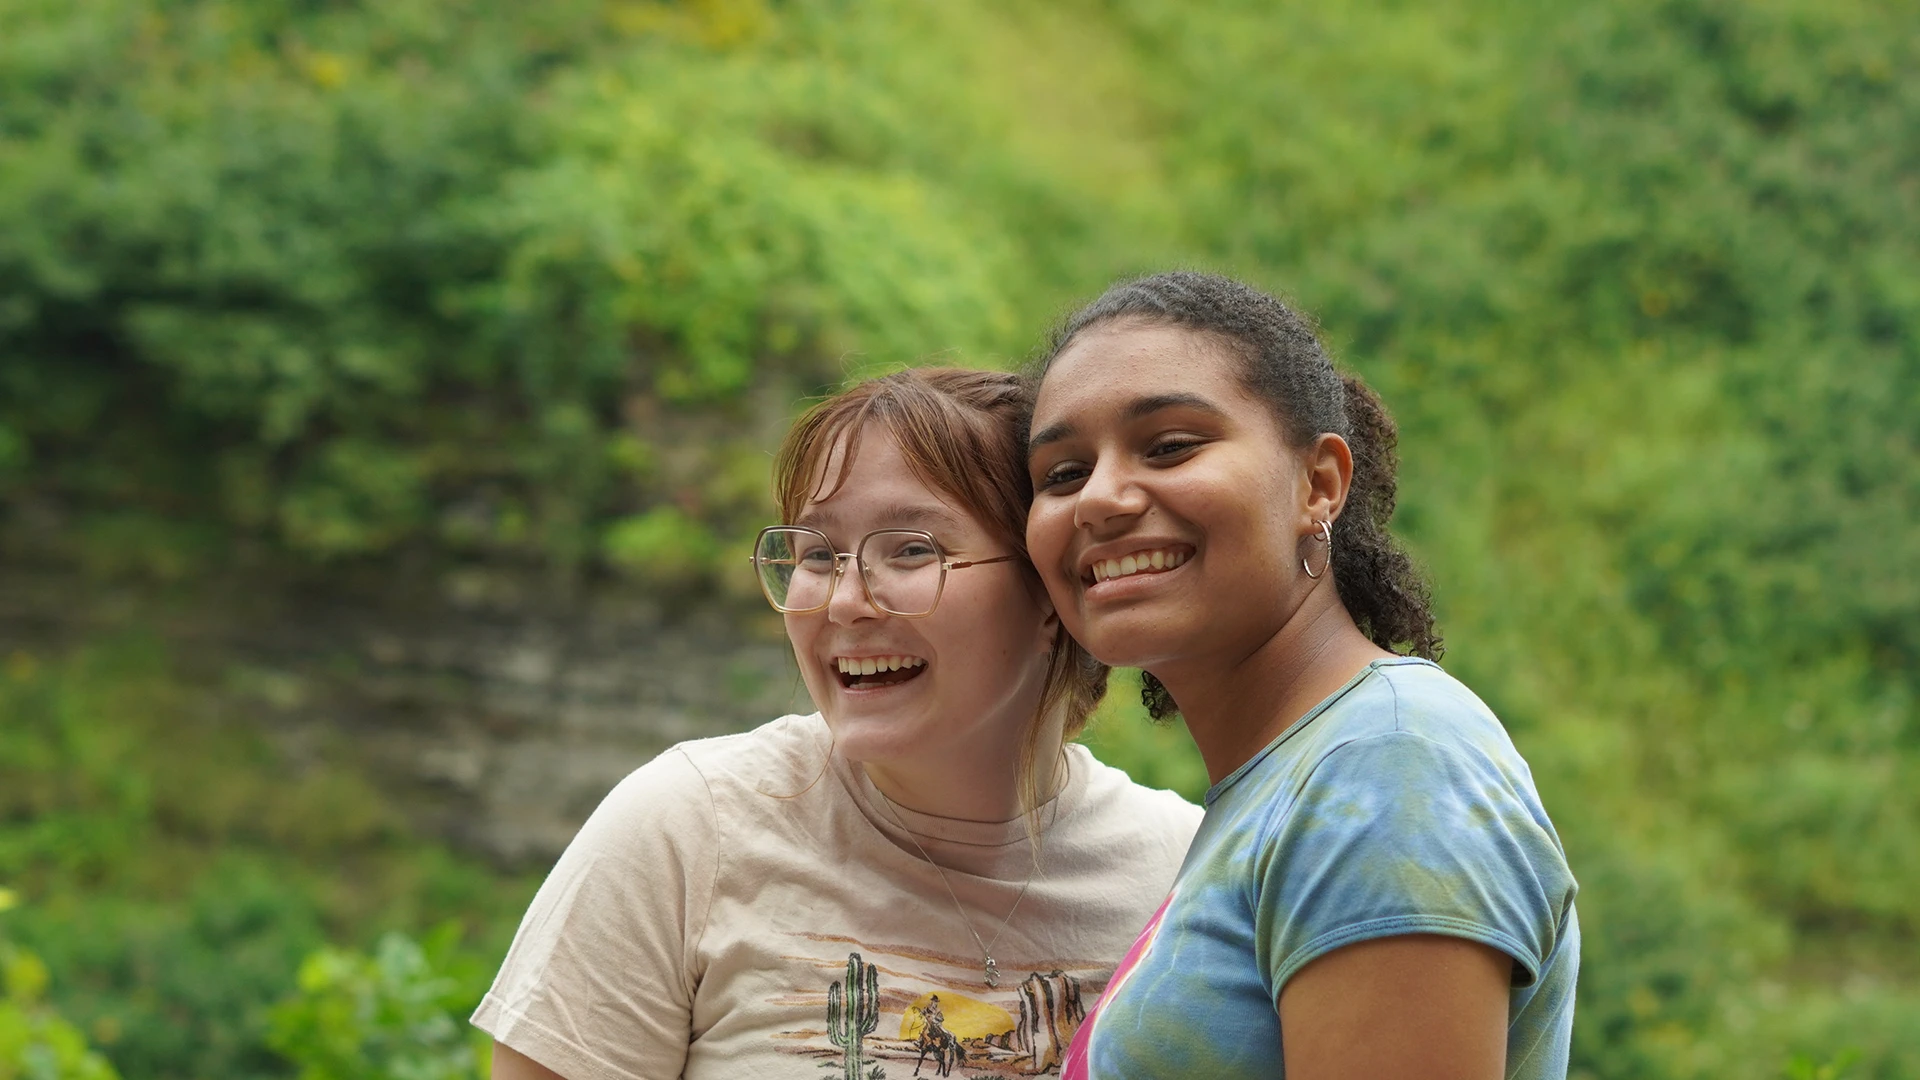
{"x": 1118, "y": 640}
{"x": 868, "y": 741}
{"x": 876, "y": 734}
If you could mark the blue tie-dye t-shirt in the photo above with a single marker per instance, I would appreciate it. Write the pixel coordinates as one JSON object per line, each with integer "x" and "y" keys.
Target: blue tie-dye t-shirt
{"x": 1397, "y": 806}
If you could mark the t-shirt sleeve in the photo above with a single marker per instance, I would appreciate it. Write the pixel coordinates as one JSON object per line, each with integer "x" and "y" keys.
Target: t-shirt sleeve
{"x": 599, "y": 981}
{"x": 1399, "y": 834}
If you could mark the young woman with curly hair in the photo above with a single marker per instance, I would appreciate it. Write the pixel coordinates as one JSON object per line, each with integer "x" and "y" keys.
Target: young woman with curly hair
{"x": 1376, "y": 890}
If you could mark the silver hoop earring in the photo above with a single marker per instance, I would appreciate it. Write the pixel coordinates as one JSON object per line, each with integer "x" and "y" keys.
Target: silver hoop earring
{"x": 1326, "y": 537}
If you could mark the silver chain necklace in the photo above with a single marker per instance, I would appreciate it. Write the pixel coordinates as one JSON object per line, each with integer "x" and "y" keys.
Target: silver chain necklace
{"x": 992, "y": 970}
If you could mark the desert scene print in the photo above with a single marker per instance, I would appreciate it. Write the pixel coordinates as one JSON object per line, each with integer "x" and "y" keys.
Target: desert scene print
{"x": 889, "y": 1012}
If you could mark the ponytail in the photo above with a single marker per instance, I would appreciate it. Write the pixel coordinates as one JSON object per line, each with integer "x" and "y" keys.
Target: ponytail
{"x": 1285, "y": 365}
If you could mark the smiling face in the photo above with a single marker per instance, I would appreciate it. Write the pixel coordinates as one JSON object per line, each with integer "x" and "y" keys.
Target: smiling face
{"x": 961, "y": 684}
{"x": 1169, "y": 510}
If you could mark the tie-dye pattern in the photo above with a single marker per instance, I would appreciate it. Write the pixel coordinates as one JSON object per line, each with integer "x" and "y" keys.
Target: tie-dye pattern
{"x": 1074, "y": 1066}
{"x": 1397, "y": 806}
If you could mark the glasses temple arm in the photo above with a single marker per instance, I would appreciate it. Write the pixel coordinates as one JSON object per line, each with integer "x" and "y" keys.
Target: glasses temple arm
{"x": 981, "y": 562}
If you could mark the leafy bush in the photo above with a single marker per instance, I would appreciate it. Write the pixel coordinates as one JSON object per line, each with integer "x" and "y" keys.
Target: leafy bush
{"x": 397, "y": 1014}
{"x": 35, "y": 1042}
{"x": 663, "y": 547}
{"x": 1155, "y": 754}
{"x": 180, "y": 871}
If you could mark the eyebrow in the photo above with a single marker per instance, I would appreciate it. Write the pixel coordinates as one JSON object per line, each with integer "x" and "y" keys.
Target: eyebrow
{"x": 909, "y": 515}
{"x": 1136, "y": 409}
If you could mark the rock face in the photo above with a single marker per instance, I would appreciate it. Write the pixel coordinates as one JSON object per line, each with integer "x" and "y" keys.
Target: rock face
{"x": 521, "y": 724}
{"x": 495, "y": 714}
{"x": 1050, "y": 1013}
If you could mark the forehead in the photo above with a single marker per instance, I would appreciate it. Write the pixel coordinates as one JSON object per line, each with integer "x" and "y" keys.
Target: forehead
{"x": 877, "y": 489}
{"x": 1110, "y": 366}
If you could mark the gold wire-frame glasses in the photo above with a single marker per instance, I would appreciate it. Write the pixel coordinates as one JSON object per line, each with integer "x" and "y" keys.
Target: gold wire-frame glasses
{"x": 903, "y": 571}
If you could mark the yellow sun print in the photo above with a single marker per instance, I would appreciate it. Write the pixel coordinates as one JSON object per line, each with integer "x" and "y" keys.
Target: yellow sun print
{"x": 962, "y": 1016}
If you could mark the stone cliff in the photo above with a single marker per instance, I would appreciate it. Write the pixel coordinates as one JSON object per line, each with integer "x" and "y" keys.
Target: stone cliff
{"x": 493, "y": 711}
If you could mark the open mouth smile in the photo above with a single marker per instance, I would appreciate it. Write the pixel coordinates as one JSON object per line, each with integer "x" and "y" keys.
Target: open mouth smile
{"x": 873, "y": 672}
{"x": 1150, "y": 561}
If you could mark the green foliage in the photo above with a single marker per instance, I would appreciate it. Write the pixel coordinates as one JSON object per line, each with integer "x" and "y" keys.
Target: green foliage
{"x": 180, "y": 870}
{"x": 13, "y": 453}
{"x": 538, "y": 283}
{"x": 663, "y": 547}
{"x": 421, "y": 270}
{"x": 398, "y": 1014}
{"x": 36, "y": 1043}
{"x": 1806, "y": 1068}
{"x": 1153, "y": 753}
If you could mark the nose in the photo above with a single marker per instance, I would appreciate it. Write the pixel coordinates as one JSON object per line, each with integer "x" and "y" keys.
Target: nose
{"x": 1108, "y": 497}
{"x": 849, "y": 603}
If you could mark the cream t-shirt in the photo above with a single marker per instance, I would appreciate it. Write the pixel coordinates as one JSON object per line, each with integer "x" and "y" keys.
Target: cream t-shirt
{"x": 743, "y": 907}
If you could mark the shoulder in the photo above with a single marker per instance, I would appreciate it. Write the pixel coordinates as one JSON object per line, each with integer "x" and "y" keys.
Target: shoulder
{"x": 788, "y": 746}
{"x": 1406, "y": 756}
{"x": 1422, "y": 771}
{"x": 1436, "y": 713}
{"x": 1421, "y": 820}
{"x": 693, "y": 785}
{"x": 780, "y": 756}
{"x": 1428, "y": 701}
{"x": 1410, "y": 730}
{"x": 1112, "y": 801}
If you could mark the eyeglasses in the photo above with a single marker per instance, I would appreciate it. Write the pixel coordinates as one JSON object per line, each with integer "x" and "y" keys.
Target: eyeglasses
{"x": 902, "y": 570}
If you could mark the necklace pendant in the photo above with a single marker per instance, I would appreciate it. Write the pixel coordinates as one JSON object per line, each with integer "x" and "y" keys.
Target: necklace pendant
{"x": 993, "y": 973}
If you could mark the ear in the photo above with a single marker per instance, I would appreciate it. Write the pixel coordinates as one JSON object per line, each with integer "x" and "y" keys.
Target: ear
{"x": 1328, "y": 463}
{"x": 1050, "y": 628}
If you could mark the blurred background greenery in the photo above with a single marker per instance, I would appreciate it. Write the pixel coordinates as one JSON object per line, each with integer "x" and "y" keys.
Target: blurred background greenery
{"x": 324, "y": 288}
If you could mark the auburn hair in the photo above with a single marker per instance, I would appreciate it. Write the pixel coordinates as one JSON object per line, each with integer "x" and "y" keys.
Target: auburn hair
{"x": 962, "y": 433}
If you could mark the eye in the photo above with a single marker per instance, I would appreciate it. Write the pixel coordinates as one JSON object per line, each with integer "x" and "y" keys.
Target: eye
{"x": 911, "y": 555}
{"x": 817, "y": 558}
{"x": 1064, "y": 474}
{"x": 1172, "y": 447}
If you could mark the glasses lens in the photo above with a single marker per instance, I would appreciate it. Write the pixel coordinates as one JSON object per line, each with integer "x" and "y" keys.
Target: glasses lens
{"x": 904, "y": 571}
{"x": 796, "y": 568}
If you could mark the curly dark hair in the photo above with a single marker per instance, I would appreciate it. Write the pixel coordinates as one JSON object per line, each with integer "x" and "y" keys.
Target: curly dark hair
{"x": 1284, "y": 363}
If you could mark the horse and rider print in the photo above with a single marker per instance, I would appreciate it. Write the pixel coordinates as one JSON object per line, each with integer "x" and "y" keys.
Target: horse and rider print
{"x": 891, "y": 1008}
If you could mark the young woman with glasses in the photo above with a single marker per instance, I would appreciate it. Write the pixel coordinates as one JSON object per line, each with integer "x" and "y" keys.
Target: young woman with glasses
{"x": 1376, "y": 890}
{"x": 922, "y": 875}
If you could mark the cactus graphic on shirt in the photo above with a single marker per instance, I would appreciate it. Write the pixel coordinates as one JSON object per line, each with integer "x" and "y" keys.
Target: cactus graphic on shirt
{"x": 853, "y": 1013}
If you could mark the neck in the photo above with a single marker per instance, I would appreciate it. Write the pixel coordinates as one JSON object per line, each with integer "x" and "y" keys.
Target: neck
{"x": 978, "y": 787}
{"x": 1235, "y": 705}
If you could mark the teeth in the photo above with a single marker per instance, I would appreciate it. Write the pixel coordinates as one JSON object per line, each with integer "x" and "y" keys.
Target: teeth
{"x": 1139, "y": 561}
{"x": 874, "y": 665}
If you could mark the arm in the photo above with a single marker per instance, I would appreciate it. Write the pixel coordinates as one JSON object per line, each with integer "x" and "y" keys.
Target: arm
{"x": 1415, "y": 1007}
{"x": 1399, "y": 909}
{"x": 510, "y": 1064}
{"x": 599, "y": 981}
